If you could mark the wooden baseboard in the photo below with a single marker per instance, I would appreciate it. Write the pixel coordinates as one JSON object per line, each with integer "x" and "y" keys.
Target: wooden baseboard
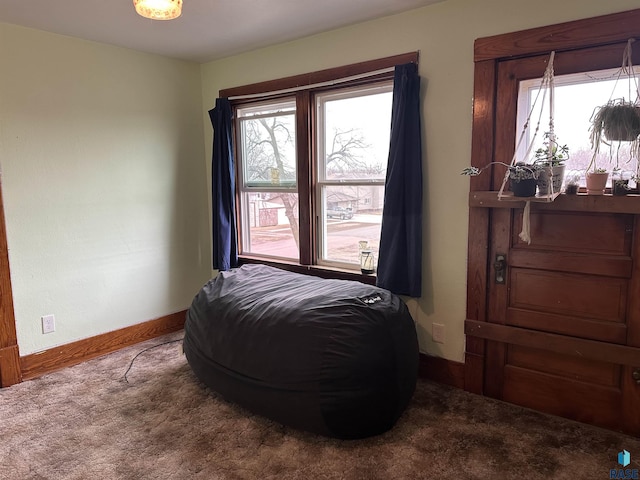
{"x": 70, "y": 354}
{"x": 10, "y": 366}
{"x": 442, "y": 370}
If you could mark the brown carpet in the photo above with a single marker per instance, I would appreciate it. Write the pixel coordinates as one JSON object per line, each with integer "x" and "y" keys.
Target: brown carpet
{"x": 86, "y": 422}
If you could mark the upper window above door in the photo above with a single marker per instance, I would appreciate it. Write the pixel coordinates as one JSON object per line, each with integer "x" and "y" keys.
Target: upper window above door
{"x": 577, "y": 96}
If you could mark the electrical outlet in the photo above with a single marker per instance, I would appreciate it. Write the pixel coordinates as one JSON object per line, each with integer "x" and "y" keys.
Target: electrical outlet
{"x": 437, "y": 332}
{"x": 48, "y": 324}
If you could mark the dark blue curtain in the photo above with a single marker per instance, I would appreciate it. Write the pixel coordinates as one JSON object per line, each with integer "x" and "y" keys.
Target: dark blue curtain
{"x": 400, "y": 258}
{"x": 223, "y": 188}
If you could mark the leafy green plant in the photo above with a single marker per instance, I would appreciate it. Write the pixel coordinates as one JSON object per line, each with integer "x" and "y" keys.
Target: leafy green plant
{"x": 522, "y": 171}
{"x": 551, "y": 154}
{"x": 517, "y": 172}
{"x": 618, "y": 121}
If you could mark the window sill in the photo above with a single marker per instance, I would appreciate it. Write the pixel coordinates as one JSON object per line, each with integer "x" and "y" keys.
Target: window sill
{"x": 315, "y": 270}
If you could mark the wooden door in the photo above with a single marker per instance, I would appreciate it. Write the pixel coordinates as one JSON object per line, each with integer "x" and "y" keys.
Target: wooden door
{"x": 576, "y": 287}
{"x": 561, "y": 334}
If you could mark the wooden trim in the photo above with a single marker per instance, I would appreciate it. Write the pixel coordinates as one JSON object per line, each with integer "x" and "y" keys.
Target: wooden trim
{"x": 483, "y": 126}
{"x": 321, "y": 76}
{"x": 633, "y": 310}
{"x": 9, "y": 352}
{"x": 10, "y": 373}
{"x": 442, "y": 370}
{"x": 477, "y": 251}
{"x": 592, "y": 349}
{"x": 602, "y": 30}
{"x": 574, "y": 203}
{"x": 70, "y": 354}
{"x": 315, "y": 270}
{"x": 304, "y": 169}
{"x": 474, "y": 369}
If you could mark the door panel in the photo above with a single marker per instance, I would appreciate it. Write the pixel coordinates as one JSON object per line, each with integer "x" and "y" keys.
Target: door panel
{"x": 568, "y": 325}
{"x": 588, "y": 296}
{"x": 585, "y": 233}
{"x": 609, "y": 265}
{"x": 547, "y": 291}
{"x": 563, "y": 396}
{"x": 575, "y": 368}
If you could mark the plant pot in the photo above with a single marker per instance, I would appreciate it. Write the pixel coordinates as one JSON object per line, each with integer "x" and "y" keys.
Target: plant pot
{"x": 524, "y": 188}
{"x": 620, "y": 187}
{"x": 596, "y": 182}
{"x": 571, "y": 189}
{"x": 550, "y": 177}
{"x": 622, "y": 123}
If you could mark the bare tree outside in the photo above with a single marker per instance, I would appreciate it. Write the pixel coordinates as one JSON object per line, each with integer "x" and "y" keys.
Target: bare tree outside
{"x": 270, "y": 159}
{"x": 349, "y": 170}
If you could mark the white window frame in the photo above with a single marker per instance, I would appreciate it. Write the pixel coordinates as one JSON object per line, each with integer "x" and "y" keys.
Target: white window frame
{"x": 322, "y": 181}
{"x": 281, "y": 107}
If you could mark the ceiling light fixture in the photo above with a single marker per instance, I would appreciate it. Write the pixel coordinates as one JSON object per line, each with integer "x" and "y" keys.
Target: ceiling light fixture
{"x": 159, "y": 9}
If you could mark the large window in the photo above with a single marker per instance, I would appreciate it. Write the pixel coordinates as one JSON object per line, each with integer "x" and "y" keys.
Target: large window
{"x": 311, "y": 168}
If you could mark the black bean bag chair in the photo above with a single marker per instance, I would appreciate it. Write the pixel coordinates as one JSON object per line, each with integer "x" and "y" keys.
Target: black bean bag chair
{"x": 334, "y": 357}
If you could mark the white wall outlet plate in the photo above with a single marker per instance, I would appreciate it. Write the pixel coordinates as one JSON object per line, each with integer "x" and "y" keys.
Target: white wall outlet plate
{"x": 48, "y": 324}
{"x": 437, "y": 332}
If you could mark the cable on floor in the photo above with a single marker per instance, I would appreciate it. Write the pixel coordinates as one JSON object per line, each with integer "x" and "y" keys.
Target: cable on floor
{"x": 146, "y": 350}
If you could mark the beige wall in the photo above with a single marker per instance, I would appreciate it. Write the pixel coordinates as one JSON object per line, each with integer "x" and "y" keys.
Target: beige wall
{"x": 444, "y": 34}
{"x": 102, "y": 157}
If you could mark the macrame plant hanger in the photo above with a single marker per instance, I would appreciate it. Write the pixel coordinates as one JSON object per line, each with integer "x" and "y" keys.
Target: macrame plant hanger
{"x": 546, "y": 85}
{"x": 634, "y": 99}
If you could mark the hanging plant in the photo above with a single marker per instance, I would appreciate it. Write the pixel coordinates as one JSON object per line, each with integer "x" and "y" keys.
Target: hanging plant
{"x": 619, "y": 119}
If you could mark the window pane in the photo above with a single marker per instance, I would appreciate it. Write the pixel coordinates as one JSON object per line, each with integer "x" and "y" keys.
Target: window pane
{"x": 352, "y": 214}
{"x": 353, "y": 133}
{"x": 270, "y": 224}
{"x": 576, "y": 98}
{"x": 268, "y": 153}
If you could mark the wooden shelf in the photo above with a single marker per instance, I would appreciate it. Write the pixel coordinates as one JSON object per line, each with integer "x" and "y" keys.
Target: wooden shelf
{"x": 578, "y": 203}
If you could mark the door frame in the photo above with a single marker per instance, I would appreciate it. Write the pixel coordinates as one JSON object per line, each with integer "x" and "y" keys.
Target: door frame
{"x": 488, "y": 52}
{"x": 10, "y": 369}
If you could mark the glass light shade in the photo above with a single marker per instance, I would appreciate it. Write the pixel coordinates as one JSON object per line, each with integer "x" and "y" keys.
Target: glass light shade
{"x": 159, "y": 9}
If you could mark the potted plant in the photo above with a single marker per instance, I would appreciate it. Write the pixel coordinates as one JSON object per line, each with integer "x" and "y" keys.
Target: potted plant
{"x": 597, "y": 181}
{"x": 550, "y": 158}
{"x": 523, "y": 177}
{"x": 620, "y": 182}
{"x": 598, "y": 176}
{"x": 618, "y": 121}
{"x": 573, "y": 184}
{"x": 620, "y": 186}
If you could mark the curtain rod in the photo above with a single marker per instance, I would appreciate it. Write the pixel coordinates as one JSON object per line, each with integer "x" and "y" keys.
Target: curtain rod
{"x": 313, "y": 85}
